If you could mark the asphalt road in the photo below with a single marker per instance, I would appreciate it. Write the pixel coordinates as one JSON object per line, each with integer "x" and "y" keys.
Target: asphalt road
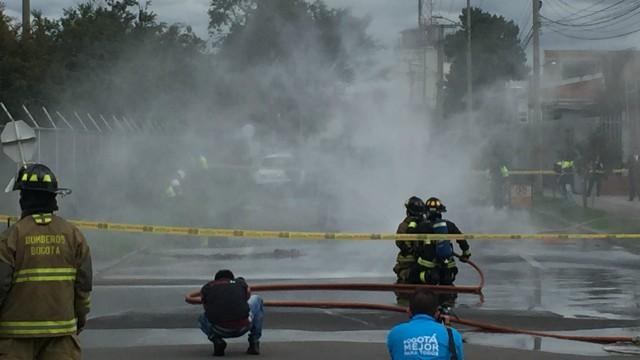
{"x": 577, "y": 287}
{"x": 319, "y": 351}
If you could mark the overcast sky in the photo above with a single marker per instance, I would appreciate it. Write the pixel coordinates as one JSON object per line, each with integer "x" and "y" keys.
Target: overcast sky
{"x": 388, "y": 17}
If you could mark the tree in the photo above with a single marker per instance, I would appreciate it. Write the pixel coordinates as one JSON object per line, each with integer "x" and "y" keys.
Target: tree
{"x": 118, "y": 57}
{"x": 9, "y": 63}
{"x": 497, "y": 56}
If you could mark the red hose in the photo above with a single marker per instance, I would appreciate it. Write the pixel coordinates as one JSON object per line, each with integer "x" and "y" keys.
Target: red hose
{"x": 504, "y": 329}
{"x": 194, "y": 297}
{"x": 335, "y": 305}
{"x": 477, "y": 324}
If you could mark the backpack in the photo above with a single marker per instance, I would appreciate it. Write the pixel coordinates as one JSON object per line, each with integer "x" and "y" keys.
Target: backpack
{"x": 444, "y": 248}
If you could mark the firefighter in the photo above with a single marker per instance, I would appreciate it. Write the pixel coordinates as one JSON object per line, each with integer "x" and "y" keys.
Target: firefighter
{"x": 435, "y": 263}
{"x": 405, "y": 260}
{"x": 45, "y": 275}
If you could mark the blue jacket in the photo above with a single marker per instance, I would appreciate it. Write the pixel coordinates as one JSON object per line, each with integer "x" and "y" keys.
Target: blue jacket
{"x": 422, "y": 338}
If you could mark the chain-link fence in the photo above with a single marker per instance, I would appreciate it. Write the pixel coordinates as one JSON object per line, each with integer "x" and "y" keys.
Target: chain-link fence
{"x": 91, "y": 153}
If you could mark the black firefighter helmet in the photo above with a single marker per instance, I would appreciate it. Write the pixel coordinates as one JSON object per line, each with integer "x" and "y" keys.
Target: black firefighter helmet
{"x": 414, "y": 206}
{"x": 38, "y": 177}
{"x": 434, "y": 205}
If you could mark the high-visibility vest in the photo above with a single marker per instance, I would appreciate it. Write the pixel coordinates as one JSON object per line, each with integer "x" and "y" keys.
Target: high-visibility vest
{"x": 504, "y": 171}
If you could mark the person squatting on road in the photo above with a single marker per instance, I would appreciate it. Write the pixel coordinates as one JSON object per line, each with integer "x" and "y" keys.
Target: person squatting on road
{"x": 423, "y": 337}
{"x": 230, "y": 311}
{"x": 45, "y": 275}
{"x": 435, "y": 264}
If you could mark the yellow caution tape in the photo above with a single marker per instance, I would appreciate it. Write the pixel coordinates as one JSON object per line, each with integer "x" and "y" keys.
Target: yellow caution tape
{"x": 300, "y": 235}
{"x": 549, "y": 172}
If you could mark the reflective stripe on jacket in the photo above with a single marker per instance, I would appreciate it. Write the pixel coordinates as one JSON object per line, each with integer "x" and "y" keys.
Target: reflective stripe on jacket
{"x": 43, "y": 257}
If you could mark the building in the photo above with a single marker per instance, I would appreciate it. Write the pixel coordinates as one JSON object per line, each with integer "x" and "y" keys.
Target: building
{"x": 418, "y": 59}
{"x": 583, "y": 100}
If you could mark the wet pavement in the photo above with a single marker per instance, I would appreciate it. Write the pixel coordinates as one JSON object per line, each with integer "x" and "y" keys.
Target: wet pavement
{"x": 571, "y": 287}
{"x": 319, "y": 350}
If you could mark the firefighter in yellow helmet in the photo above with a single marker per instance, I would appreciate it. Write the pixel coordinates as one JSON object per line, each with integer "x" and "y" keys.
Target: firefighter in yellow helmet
{"x": 45, "y": 275}
{"x": 436, "y": 263}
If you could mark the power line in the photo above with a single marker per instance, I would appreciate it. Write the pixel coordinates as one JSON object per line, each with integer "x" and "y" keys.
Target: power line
{"x": 607, "y": 37}
{"x": 585, "y": 9}
{"x": 602, "y": 14}
{"x": 609, "y": 22}
{"x": 630, "y": 12}
{"x": 527, "y": 39}
{"x": 525, "y": 19}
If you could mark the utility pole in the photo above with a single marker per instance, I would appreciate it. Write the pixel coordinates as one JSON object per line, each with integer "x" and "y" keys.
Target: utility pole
{"x": 537, "y": 113}
{"x": 439, "y": 93}
{"x": 469, "y": 71}
{"x": 26, "y": 18}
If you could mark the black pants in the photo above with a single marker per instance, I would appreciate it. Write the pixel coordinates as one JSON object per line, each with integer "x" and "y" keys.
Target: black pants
{"x": 433, "y": 276}
{"x": 591, "y": 182}
{"x": 633, "y": 189}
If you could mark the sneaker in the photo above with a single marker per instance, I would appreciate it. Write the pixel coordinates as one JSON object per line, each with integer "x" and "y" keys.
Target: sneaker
{"x": 219, "y": 346}
{"x": 254, "y": 348}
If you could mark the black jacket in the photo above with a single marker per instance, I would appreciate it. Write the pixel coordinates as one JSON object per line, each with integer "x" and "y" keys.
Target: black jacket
{"x": 225, "y": 302}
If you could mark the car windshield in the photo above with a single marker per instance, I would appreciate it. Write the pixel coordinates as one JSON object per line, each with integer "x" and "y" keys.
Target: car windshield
{"x": 279, "y": 162}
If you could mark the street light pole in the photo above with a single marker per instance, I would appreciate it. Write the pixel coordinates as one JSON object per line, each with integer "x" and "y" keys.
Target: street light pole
{"x": 469, "y": 71}
{"x": 537, "y": 113}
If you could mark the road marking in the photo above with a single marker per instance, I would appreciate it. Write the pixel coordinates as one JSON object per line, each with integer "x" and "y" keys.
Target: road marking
{"x": 531, "y": 261}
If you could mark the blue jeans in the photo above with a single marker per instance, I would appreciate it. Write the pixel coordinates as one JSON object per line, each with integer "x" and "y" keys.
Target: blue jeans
{"x": 256, "y": 316}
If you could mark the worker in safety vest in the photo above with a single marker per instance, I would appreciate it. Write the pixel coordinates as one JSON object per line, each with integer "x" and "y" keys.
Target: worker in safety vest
{"x": 45, "y": 275}
{"x": 499, "y": 184}
{"x": 566, "y": 171}
{"x": 436, "y": 264}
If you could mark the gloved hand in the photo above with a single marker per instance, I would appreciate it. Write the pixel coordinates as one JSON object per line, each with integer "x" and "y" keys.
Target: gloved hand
{"x": 465, "y": 256}
{"x": 82, "y": 321}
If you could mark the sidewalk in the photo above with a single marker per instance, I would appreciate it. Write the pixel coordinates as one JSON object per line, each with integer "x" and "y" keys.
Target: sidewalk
{"x": 618, "y": 205}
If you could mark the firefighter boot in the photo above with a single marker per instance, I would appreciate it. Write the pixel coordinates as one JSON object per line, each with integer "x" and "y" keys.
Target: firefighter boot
{"x": 254, "y": 348}
{"x": 219, "y": 346}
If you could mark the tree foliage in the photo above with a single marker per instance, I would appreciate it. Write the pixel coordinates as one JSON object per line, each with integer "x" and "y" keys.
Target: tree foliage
{"x": 279, "y": 63}
{"x": 99, "y": 56}
{"x": 497, "y": 56}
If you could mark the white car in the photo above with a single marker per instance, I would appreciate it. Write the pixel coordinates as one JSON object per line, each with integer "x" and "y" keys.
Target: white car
{"x": 279, "y": 169}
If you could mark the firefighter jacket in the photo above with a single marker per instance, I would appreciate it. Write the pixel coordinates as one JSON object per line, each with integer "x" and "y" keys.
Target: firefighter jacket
{"x": 426, "y": 250}
{"x": 45, "y": 278}
{"x": 406, "y": 247}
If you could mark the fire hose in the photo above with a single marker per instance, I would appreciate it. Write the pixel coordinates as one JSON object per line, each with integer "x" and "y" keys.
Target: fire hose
{"x": 194, "y": 298}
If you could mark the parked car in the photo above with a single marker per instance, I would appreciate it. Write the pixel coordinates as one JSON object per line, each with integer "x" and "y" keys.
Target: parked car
{"x": 279, "y": 169}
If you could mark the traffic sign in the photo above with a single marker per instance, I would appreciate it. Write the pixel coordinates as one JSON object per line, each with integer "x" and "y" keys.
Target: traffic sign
{"x": 18, "y": 141}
